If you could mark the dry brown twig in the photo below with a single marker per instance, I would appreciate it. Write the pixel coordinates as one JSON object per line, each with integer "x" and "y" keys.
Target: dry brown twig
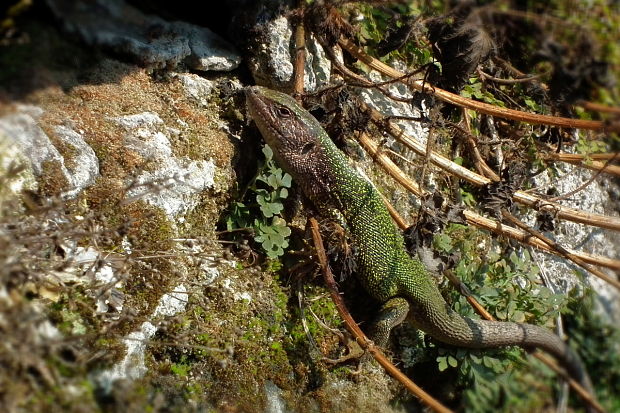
{"x": 483, "y": 168}
{"x": 585, "y": 184}
{"x": 460, "y": 101}
{"x": 359, "y": 335}
{"x": 300, "y": 54}
{"x": 561, "y": 250}
{"x": 580, "y": 160}
{"x": 522, "y": 197}
{"x": 479, "y": 308}
{"x": 473, "y": 218}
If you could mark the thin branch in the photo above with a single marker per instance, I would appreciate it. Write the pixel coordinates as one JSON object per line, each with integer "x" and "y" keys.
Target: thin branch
{"x": 583, "y": 393}
{"x": 570, "y": 157}
{"x": 563, "y": 392}
{"x": 359, "y": 335}
{"x": 501, "y": 81}
{"x": 585, "y": 184}
{"x": 563, "y": 251}
{"x": 393, "y": 212}
{"x": 593, "y": 165}
{"x": 522, "y": 197}
{"x": 482, "y": 167}
{"x": 598, "y": 107}
{"x": 300, "y": 54}
{"x": 462, "y": 288}
{"x": 457, "y": 100}
{"x": 473, "y": 218}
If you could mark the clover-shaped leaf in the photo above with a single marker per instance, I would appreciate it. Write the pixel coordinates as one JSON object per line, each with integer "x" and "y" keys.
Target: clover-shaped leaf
{"x": 273, "y": 236}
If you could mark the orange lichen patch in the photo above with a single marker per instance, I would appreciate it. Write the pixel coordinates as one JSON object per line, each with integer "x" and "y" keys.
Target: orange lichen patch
{"x": 89, "y": 108}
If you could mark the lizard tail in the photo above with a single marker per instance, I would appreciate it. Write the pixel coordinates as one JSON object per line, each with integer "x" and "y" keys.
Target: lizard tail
{"x": 451, "y": 328}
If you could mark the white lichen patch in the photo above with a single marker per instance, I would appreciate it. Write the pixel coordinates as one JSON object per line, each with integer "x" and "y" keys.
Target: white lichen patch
{"x": 133, "y": 366}
{"x": 172, "y": 303}
{"x": 22, "y": 130}
{"x": 273, "y": 396}
{"x": 84, "y": 166}
{"x": 242, "y": 296}
{"x": 595, "y": 199}
{"x": 197, "y": 89}
{"x": 389, "y": 107}
{"x": 93, "y": 268}
{"x": 173, "y": 183}
{"x": 209, "y": 272}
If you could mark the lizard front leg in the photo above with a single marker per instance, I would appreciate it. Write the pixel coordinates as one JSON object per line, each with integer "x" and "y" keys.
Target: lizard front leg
{"x": 393, "y": 312}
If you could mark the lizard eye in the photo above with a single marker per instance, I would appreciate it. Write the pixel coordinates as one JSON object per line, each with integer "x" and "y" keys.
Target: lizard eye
{"x": 307, "y": 148}
{"x": 284, "y": 112}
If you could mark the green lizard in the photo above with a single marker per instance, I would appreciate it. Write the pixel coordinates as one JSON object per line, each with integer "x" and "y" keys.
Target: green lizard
{"x": 384, "y": 268}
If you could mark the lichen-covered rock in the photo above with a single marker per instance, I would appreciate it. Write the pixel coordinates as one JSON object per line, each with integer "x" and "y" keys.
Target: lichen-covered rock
{"x": 23, "y": 130}
{"x": 596, "y": 198}
{"x": 196, "y": 87}
{"x": 132, "y": 366}
{"x": 273, "y": 53}
{"x": 172, "y": 183}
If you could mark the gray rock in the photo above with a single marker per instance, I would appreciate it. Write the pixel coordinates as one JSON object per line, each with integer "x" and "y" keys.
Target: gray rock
{"x": 133, "y": 366}
{"x": 595, "y": 198}
{"x": 84, "y": 168}
{"x": 208, "y": 50}
{"x": 23, "y": 130}
{"x": 196, "y": 88}
{"x": 148, "y": 40}
{"x": 271, "y": 61}
{"x": 172, "y": 183}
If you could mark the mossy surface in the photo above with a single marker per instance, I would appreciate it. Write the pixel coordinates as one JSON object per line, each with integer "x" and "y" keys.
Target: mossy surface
{"x": 241, "y": 333}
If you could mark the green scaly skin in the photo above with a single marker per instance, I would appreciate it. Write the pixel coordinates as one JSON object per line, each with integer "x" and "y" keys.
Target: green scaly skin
{"x": 387, "y": 272}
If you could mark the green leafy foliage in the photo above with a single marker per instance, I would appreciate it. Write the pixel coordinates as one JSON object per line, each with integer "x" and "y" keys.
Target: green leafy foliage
{"x": 475, "y": 90}
{"x": 263, "y": 216}
{"x": 273, "y": 236}
{"x": 598, "y": 339}
{"x": 587, "y": 146}
{"x": 376, "y": 21}
{"x": 508, "y": 286}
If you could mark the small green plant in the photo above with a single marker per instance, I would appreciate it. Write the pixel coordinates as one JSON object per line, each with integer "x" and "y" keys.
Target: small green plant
{"x": 273, "y": 236}
{"x": 268, "y": 191}
{"x": 587, "y": 146}
{"x": 180, "y": 369}
{"x": 508, "y": 286}
{"x": 474, "y": 90}
{"x": 597, "y": 337}
{"x": 377, "y": 21}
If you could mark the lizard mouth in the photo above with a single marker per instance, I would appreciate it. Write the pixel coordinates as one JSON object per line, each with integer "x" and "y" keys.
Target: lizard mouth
{"x": 255, "y": 104}
{"x": 258, "y": 107}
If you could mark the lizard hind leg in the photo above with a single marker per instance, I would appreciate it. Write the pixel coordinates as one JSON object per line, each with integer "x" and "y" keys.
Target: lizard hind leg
{"x": 393, "y": 312}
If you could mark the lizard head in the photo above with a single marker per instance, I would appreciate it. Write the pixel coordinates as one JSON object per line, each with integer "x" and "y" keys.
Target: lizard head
{"x": 292, "y": 133}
